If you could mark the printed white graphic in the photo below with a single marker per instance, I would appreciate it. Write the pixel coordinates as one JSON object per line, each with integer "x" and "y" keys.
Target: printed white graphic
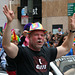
{"x": 40, "y": 61}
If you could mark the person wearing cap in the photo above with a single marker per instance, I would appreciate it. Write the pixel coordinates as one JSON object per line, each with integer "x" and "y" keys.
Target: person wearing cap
{"x": 11, "y": 65}
{"x": 35, "y": 58}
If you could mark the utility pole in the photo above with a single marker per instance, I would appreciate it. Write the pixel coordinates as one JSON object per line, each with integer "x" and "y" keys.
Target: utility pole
{"x": 30, "y": 11}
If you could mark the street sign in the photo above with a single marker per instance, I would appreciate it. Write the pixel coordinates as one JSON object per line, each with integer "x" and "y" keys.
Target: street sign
{"x": 71, "y": 9}
{"x": 24, "y": 20}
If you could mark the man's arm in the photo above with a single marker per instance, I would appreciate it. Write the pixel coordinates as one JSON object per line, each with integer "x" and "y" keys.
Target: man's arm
{"x": 67, "y": 44}
{"x": 10, "y": 48}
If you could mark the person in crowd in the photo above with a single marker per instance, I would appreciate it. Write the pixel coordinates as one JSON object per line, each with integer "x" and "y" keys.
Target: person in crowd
{"x": 62, "y": 39}
{"x": 60, "y": 31}
{"x": 50, "y": 33}
{"x": 72, "y": 50}
{"x": 24, "y": 39}
{"x": 3, "y": 61}
{"x": 51, "y": 44}
{"x": 48, "y": 37}
{"x": 1, "y": 36}
{"x": 67, "y": 70}
{"x": 73, "y": 47}
{"x": 11, "y": 65}
{"x": 35, "y": 58}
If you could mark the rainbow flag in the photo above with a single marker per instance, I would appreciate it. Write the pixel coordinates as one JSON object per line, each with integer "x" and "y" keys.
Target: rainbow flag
{"x": 5, "y": 25}
{"x": 74, "y": 41}
{"x": 12, "y": 30}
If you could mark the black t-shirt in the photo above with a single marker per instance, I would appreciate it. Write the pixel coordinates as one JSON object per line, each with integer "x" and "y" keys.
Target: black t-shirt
{"x": 31, "y": 62}
{"x": 11, "y": 65}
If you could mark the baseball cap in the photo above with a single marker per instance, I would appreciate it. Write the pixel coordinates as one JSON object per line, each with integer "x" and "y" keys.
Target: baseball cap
{"x": 36, "y": 26}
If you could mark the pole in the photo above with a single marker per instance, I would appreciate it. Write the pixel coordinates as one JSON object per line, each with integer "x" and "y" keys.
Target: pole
{"x": 10, "y": 4}
{"x": 30, "y": 11}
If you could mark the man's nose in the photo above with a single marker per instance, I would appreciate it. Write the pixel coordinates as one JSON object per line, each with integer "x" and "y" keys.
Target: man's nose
{"x": 39, "y": 36}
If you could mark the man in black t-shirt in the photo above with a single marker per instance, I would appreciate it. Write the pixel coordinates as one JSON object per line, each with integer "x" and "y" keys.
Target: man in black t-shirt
{"x": 34, "y": 59}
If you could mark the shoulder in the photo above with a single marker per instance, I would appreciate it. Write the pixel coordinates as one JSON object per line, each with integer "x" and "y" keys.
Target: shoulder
{"x": 23, "y": 50}
{"x": 21, "y": 53}
{"x": 50, "y": 52}
{"x": 49, "y": 49}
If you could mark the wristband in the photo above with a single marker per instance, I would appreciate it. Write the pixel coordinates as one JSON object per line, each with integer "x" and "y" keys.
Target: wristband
{"x": 72, "y": 31}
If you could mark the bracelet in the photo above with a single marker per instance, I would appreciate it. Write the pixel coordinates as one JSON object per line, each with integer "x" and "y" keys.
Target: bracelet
{"x": 72, "y": 31}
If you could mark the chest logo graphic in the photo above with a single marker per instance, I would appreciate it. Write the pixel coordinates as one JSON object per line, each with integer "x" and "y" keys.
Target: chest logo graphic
{"x": 40, "y": 61}
{"x": 40, "y": 64}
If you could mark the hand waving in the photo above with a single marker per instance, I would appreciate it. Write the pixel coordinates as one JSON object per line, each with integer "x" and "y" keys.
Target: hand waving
{"x": 9, "y": 14}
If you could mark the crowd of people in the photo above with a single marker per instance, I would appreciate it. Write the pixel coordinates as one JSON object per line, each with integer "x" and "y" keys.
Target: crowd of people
{"x": 32, "y": 52}
{"x": 7, "y": 64}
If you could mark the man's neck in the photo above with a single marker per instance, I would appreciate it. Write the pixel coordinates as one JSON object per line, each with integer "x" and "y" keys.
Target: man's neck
{"x": 35, "y": 49}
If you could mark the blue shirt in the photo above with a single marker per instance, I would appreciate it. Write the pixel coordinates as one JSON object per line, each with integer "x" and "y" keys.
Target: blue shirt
{"x": 70, "y": 53}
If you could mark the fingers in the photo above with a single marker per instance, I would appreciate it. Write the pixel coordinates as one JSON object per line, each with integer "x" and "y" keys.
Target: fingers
{"x": 8, "y": 13}
{"x": 73, "y": 16}
{"x": 73, "y": 21}
{"x": 5, "y": 9}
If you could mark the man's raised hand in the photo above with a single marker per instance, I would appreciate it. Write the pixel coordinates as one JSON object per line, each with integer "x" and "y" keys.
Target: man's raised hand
{"x": 73, "y": 21}
{"x": 9, "y": 13}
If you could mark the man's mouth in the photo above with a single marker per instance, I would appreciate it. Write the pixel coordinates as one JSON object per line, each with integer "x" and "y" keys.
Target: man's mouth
{"x": 39, "y": 41}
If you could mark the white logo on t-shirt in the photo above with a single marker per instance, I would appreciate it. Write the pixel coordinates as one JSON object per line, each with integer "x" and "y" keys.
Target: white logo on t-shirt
{"x": 40, "y": 61}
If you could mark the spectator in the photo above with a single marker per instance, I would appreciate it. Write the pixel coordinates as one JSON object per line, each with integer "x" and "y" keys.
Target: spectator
{"x": 72, "y": 50}
{"x": 24, "y": 39}
{"x": 2, "y": 54}
{"x": 51, "y": 44}
{"x": 62, "y": 39}
{"x": 11, "y": 65}
{"x": 3, "y": 59}
{"x": 60, "y": 31}
{"x": 1, "y": 36}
